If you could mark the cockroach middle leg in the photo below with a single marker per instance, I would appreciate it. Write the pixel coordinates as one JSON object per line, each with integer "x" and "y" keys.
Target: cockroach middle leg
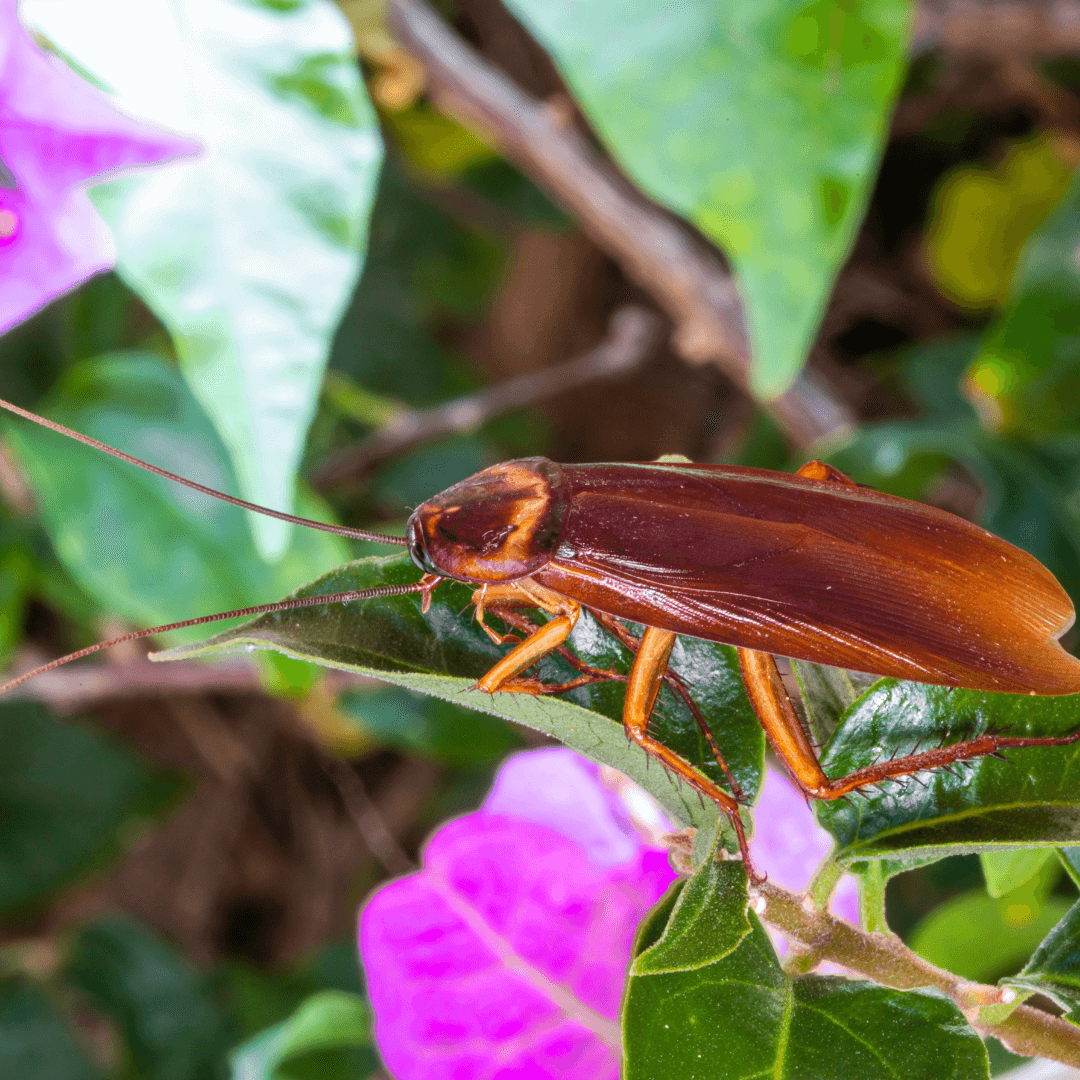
{"x": 646, "y": 676}
{"x": 777, "y": 715}
{"x": 624, "y": 637}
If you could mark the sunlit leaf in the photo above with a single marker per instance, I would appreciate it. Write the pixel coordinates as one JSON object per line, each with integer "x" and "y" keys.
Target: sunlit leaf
{"x": 761, "y": 121}
{"x": 1054, "y": 968}
{"x": 249, "y": 253}
{"x": 148, "y": 549}
{"x": 983, "y": 938}
{"x": 330, "y": 1020}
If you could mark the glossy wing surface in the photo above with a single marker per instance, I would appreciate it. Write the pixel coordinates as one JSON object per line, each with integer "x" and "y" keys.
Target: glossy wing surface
{"x": 819, "y": 571}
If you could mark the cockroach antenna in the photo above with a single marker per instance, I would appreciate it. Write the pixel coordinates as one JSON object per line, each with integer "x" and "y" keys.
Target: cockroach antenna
{"x": 240, "y": 613}
{"x": 322, "y": 526}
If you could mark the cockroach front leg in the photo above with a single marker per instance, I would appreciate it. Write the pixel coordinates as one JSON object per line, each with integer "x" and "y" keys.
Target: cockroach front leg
{"x": 547, "y": 638}
{"x": 646, "y": 677}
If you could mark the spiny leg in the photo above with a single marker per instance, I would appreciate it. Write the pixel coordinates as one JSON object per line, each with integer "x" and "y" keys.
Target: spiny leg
{"x": 646, "y": 675}
{"x": 777, "y": 715}
{"x": 588, "y": 674}
{"x": 620, "y": 633}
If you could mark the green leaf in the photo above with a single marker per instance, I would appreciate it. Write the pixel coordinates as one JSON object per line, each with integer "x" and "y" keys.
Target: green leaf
{"x": 69, "y": 799}
{"x": 828, "y": 693}
{"x": 1028, "y": 801}
{"x": 250, "y": 252}
{"x": 328, "y": 1020}
{"x": 421, "y": 263}
{"x": 984, "y": 216}
{"x": 145, "y": 548}
{"x": 444, "y": 653}
{"x": 980, "y": 938}
{"x": 34, "y": 1042}
{"x": 1007, "y": 870}
{"x": 172, "y": 1024}
{"x": 416, "y": 724}
{"x": 742, "y": 1016}
{"x": 706, "y": 923}
{"x": 761, "y": 121}
{"x": 1026, "y": 378}
{"x": 1054, "y": 968}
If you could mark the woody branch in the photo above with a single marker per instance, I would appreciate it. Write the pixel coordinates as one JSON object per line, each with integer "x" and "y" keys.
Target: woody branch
{"x": 684, "y": 275}
{"x": 884, "y": 958}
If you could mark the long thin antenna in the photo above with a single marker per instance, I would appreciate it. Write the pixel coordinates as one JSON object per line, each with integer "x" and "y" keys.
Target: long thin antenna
{"x": 338, "y": 530}
{"x": 239, "y": 613}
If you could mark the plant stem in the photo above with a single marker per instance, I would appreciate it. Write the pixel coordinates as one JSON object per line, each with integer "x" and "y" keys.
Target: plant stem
{"x": 885, "y": 959}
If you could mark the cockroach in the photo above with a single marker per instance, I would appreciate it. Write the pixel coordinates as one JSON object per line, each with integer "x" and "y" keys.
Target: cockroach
{"x": 809, "y": 566}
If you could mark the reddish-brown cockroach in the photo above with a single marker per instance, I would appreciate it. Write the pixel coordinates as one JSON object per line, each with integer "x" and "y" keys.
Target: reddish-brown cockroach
{"x": 808, "y": 566}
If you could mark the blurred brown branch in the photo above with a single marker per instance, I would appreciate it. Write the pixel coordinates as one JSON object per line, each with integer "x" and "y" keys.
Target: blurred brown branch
{"x": 684, "y": 276}
{"x": 633, "y": 333}
{"x": 1006, "y": 28}
{"x": 72, "y": 688}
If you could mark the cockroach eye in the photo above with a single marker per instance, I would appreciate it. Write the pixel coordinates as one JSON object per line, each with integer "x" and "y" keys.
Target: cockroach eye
{"x": 414, "y": 534}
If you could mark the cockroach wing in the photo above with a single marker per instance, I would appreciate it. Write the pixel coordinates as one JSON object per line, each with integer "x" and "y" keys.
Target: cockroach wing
{"x": 818, "y": 571}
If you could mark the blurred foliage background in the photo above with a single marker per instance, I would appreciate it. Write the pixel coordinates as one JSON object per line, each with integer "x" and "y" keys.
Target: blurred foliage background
{"x": 183, "y": 848}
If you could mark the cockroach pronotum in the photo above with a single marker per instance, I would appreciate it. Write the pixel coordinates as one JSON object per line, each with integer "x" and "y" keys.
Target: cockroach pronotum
{"x": 809, "y": 566}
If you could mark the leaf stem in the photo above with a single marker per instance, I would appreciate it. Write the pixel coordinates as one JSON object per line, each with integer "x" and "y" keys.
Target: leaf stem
{"x": 823, "y": 884}
{"x": 885, "y": 959}
{"x": 872, "y": 898}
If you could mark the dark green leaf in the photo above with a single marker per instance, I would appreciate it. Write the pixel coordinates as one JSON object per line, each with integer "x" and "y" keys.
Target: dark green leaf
{"x": 706, "y": 923}
{"x": 419, "y": 258}
{"x": 695, "y": 103}
{"x": 68, "y": 798}
{"x": 980, "y": 938}
{"x": 148, "y": 549}
{"x": 429, "y": 726}
{"x": 1054, "y": 968}
{"x": 249, "y": 252}
{"x": 172, "y": 1025}
{"x": 1031, "y": 800}
{"x": 326, "y": 1021}
{"x": 34, "y": 1042}
{"x": 443, "y": 654}
{"x": 741, "y": 1017}
{"x": 828, "y": 693}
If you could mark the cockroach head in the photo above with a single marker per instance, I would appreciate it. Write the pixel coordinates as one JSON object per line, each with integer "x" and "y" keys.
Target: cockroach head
{"x": 501, "y": 524}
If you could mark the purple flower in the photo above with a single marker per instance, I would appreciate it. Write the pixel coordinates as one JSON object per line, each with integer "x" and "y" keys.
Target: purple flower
{"x": 57, "y": 135}
{"x": 505, "y": 956}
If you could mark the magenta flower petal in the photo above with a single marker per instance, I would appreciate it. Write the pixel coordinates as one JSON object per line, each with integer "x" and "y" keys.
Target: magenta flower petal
{"x": 58, "y": 134}
{"x": 560, "y": 789}
{"x": 505, "y": 957}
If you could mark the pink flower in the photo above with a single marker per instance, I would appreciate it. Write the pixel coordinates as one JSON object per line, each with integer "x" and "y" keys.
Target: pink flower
{"x": 505, "y": 957}
{"x": 57, "y": 135}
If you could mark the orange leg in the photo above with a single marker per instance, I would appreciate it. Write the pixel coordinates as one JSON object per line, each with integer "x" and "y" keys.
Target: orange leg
{"x": 618, "y": 631}
{"x": 778, "y": 718}
{"x": 646, "y": 675}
